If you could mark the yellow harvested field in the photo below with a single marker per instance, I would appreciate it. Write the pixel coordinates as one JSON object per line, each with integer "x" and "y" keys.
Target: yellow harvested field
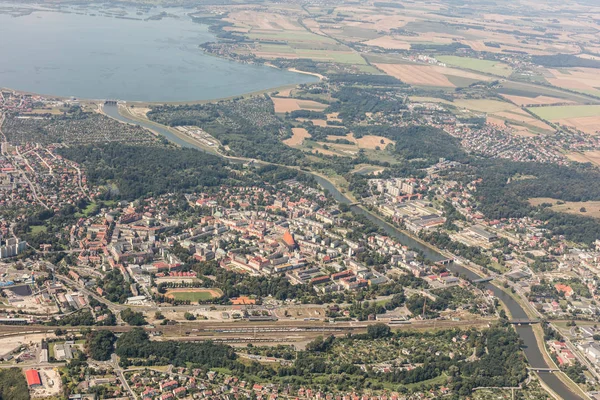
{"x": 388, "y": 42}
{"x": 427, "y": 75}
{"x": 585, "y": 157}
{"x": 590, "y": 208}
{"x": 590, "y": 125}
{"x": 371, "y": 142}
{"x": 539, "y": 100}
{"x": 298, "y": 138}
{"x": 263, "y": 21}
{"x": 484, "y": 105}
{"x": 283, "y": 105}
{"x": 285, "y": 92}
{"x": 495, "y": 121}
{"x": 580, "y": 79}
{"x": 415, "y": 74}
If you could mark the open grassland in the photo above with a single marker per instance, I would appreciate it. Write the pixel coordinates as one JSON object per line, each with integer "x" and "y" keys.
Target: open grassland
{"x": 584, "y": 208}
{"x": 486, "y": 66}
{"x": 299, "y": 135}
{"x": 194, "y": 295}
{"x": 283, "y": 105}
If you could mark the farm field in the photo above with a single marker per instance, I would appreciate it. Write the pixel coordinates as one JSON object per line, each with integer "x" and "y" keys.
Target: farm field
{"x": 372, "y": 142}
{"x": 263, "y": 21}
{"x": 388, "y": 42}
{"x": 484, "y": 105}
{"x": 431, "y": 75}
{"x": 585, "y": 118}
{"x": 561, "y": 112}
{"x": 283, "y": 105}
{"x": 299, "y": 135}
{"x": 584, "y": 80}
{"x": 591, "y": 208}
{"x": 538, "y": 100}
{"x": 532, "y": 90}
{"x": 486, "y": 66}
{"x": 273, "y": 51}
{"x": 193, "y": 295}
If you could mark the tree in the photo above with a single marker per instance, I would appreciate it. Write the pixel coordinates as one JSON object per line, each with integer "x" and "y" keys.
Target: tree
{"x": 378, "y": 330}
{"x": 134, "y": 318}
{"x": 99, "y": 345}
{"x": 189, "y": 316}
{"x": 13, "y": 385}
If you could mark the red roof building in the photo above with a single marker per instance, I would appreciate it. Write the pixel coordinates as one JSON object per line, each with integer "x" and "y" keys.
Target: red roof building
{"x": 289, "y": 239}
{"x": 33, "y": 378}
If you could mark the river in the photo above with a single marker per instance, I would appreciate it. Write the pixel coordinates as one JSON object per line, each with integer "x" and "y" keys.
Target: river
{"x": 532, "y": 351}
{"x": 113, "y": 52}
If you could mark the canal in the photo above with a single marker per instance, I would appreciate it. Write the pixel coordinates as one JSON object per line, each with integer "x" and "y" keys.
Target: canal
{"x": 532, "y": 351}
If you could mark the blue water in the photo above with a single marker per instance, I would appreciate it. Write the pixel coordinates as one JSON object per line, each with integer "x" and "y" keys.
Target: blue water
{"x": 98, "y": 57}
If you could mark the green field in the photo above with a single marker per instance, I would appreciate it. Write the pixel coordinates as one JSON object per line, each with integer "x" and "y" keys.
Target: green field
{"x": 487, "y": 66}
{"x": 562, "y": 112}
{"x": 35, "y": 229}
{"x": 194, "y": 296}
{"x": 341, "y": 57}
{"x": 291, "y": 36}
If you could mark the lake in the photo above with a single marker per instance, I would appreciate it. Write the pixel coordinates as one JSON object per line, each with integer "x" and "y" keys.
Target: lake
{"x": 105, "y": 57}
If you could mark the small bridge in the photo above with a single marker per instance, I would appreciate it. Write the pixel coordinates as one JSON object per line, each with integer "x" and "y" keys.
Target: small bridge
{"x": 482, "y": 280}
{"x": 445, "y": 261}
{"x": 110, "y": 102}
{"x": 524, "y": 321}
{"x": 543, "y": 369}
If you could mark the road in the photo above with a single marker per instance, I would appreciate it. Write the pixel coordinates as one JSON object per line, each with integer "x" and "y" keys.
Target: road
{"x": 533, "y": 349}
{"x": 119, "y": 371}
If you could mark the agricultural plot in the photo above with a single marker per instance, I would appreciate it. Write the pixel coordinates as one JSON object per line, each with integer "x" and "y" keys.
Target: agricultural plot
{"x": 535, "y": 101}
{"x": 283, "y": 105}
{"x": 431, "y": 75}
{"x": 295, "y": 51}
{"x": 299, "y": 134}
{"x": 486, "y": 66}
{"x": 484, "y": 105}
{"x": 584, "y": 80}
{"x": 263, "y": 21}
{"x": 389, "y": 42}
{"x": 585, "y": 118}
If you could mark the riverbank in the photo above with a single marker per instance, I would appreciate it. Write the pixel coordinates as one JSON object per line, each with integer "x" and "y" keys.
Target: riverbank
{"x": 533, "y": 349}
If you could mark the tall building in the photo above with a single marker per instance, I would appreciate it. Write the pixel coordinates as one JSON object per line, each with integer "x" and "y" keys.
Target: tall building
{"x": 12, "y": 247}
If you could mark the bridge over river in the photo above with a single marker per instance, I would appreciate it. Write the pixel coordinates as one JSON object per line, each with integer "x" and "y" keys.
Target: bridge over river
{"x": 532, "y": 349}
